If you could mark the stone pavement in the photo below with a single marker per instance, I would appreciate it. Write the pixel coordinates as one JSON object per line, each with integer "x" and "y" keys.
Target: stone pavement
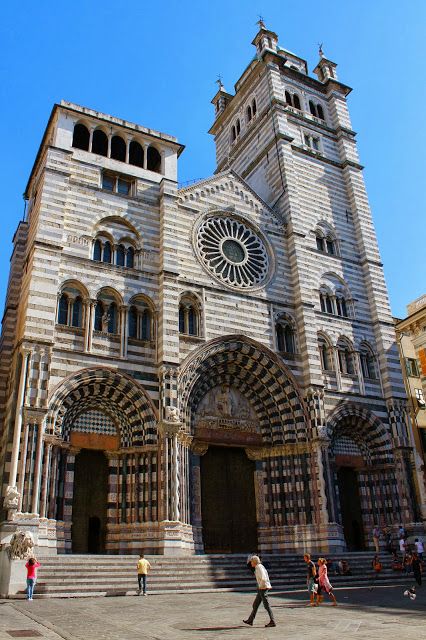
{"x": 361, "y": 615}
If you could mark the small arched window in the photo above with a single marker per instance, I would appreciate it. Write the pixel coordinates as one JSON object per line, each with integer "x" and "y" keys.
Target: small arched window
{"x": 112, "y": 318}
{"x": 181, "y": 319}
{"x": 130, "y": 257}
{"x": 81, "y": 137}
{"x": 233, "y": 134}
{"x": 153, "y": 160}
{"x": 288, "y": 98}
{"x": 63, "y": 309}
{"x": 136, "y": 154}
{"x": 120, "y": 253}
{"x": 192, "y": 322}
{"x": 238, "y": 127}
{"x": 320, "y": 243}
{"x": 97, "y": 251}
{"x": 118, "y": 148}
{"x": 320, "y": 112}
{"x": 77, "y": 313}
{"x": 341, "y": 306}
{"x": 248, "y": 113}
{"x": 285, "y": 337}
{"x": 312, "y": 108}
{"x": 325, "y": 354}
{"x": 331, "y": 249}
{"x": 99, "y": 312}
{"x": 100, "y": 143}
{"x": 296, "y": 101}
{"x": 146, "y": 325}
{"x": 326, "y": 302}
{"x": 254, "y": 107}
{"x": 368, "y": 364}
{"x": 346, "y": 360}
{"x": 107, "y": 255}
{"x": 133, "y": 322}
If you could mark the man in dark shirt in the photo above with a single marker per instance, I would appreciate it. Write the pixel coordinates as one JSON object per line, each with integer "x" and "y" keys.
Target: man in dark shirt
{"x": 310, "y": 579}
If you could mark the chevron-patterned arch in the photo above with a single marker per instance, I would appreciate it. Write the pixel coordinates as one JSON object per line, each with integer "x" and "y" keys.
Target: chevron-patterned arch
{"x": 121, "y": 397}
{"x": 258, "y": 374}
{"x": 364, "y": 428}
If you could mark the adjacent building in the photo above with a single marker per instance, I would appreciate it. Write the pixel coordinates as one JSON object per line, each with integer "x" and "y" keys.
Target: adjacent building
{"x": 210, "y": 368}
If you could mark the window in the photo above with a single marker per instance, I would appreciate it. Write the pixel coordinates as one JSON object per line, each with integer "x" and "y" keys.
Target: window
{"x": 99, "y": 313}
{"x": 107, "y": 253}
{"x": 120, "y": 255}
{"x": 63, "y": 310}
{"x": 313, "y": 142}
{"x": 140, "y": 323}
{"x": 412, "y": 367}
{"x": 118, "y": 149}
{"x": 368, "y": 367}
{"x": 292, "y": 99}
{"x": 188, "y": 318}
{"x": 325, "y": 351}
{"x": 296, "y": 101}
{"x": 77, "y": 313}
{"x": 100, "y": 143}
{"x": 341, "y": 307}
{"x": 320, "y": 243}
{"x": 329, "y": 243}
{"x": 326, "y": 244}
{"x": 238, "y": 127}
{"x": 254, "y": 107}
{"x": 420, "y": 398}
{"x": 130, "y": 257}
{"x": 285, "y": 337}
{"x": 248, "y": 113}
{"x": 117, "y": 184}
{"x": 97, "y": 251}
{"x": 326, "y": 303}
{"x": 136, "y": 154}
{"x": 346, "y": 362}
{"x": 153, "y": 160}
{"x": 81, "y": 137}
{"x": 112, "y": 318}
{"x": 316, "y": 110}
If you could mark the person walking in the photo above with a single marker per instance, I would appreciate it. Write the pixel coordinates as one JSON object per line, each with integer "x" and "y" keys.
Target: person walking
{"x": 143, "y": 569}
{"x": 419, "y": 548}
{"x": 376, "y": 538}
{"x": 310, "y": 580}
{"x": 263, "y": 588}
{"x": 324, "y": 582}
{"x": 416, "y": 565}
{"x": 31, "y": 566}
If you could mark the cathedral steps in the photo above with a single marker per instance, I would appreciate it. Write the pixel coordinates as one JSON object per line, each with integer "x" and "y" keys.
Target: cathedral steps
{"x": 95, "y": 575}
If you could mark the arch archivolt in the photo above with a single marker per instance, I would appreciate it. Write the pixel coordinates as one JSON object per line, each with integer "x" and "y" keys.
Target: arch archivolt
{"x": 103, "y": 390}
{"x": 241, "y": 363}
{"x": 361, "y": 426}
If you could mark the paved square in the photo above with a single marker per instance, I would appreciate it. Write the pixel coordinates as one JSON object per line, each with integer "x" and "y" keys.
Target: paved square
{"x": 361, "y": 614}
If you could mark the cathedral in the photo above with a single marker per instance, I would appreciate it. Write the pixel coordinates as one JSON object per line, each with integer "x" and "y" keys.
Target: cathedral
{"x": 212, "y": 368}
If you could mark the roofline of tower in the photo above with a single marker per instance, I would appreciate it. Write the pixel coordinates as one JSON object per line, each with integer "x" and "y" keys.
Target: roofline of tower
{"x": 69, "y": 106}
{"x": 314, "y": 82}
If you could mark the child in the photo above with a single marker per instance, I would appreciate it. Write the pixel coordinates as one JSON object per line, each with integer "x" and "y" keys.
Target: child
{"x": 31, "y": 566}
{"x": 143, "y": 568}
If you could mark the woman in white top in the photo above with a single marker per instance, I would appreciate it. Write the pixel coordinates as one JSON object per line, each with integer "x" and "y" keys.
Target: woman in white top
{"x": 263, "y": 586}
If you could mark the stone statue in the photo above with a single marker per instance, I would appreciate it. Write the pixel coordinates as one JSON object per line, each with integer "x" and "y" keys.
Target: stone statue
{"x": 224, "y": 402}
{"x": 21, "y": 545}
{"x": 11, "y": 498}
{"x": 171, "y": 414}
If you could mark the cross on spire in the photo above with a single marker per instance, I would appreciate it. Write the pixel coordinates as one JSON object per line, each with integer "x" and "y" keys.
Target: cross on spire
{"x": 261, "y": 22}
{"x": 320, "y": 50}
{"x": 219, "y": 82}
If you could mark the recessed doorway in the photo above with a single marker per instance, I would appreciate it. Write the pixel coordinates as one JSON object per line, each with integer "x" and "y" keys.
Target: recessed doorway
{"x": 228, "y": 504}
{"x": 89, "y": 508}
{"x": 350, "y": 508}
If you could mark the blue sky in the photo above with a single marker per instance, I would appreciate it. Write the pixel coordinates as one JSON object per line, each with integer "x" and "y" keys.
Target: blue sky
{"x": 156, "y": 64}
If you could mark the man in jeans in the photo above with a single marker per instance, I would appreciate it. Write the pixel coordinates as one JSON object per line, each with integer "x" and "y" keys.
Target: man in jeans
{"x": 263, "y": 587}
{"x": 143, "y": 568}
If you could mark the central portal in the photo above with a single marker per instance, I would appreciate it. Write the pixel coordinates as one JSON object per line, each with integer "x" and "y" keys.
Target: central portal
{"x": 89, "y": 508}
{"x": 228, "y": 504}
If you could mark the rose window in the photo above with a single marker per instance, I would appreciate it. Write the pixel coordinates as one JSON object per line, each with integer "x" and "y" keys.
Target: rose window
{"x": 232, "y": 252}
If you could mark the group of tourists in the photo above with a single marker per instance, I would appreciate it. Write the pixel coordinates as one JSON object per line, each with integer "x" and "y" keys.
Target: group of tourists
{"x": 410, "y": 557}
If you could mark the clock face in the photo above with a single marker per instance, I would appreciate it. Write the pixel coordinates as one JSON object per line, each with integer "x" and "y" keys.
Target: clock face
{"x": 232, "y": 251}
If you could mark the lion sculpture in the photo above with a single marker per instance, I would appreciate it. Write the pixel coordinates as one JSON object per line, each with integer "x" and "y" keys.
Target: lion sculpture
{"x": 21, "y": 545}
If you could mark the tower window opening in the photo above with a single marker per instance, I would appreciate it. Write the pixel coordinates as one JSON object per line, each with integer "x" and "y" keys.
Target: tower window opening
{"x": 153, "y": 160}
{"x": 100, "y": 143}
{"x": 120, "y": 256}
{"x": 81, "y": 137}
{"x": 254, "y": 107}
{"x": 136, "y": 154}
{"x": 63, "y": 310}
{"x": 249, "y": 114}
{"x": 238, "y": 127}
{"x": 118, "y": 149}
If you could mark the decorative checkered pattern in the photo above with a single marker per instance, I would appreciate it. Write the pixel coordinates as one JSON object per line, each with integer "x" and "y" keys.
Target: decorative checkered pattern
{"x": 112, "y": 393}
{"x": 94, "y": 422}
{"x": 343, "y": 445}
{"x": 288, "y": 490}
{"x": 397, "y": 412}
{"x": 259, "y": 374}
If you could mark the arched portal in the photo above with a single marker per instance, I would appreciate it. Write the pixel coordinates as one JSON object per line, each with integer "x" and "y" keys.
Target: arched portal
{"x": 363, "y": 473}
{"x": 104, "y": 428}
{"x": 245, "y": 413}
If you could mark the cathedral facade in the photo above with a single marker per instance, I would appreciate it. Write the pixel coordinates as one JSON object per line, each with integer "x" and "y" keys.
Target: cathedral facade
{"x": 211, "y": 368}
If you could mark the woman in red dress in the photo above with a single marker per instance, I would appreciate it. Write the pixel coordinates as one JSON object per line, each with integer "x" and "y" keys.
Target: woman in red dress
{"x": 323, "y": 579}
